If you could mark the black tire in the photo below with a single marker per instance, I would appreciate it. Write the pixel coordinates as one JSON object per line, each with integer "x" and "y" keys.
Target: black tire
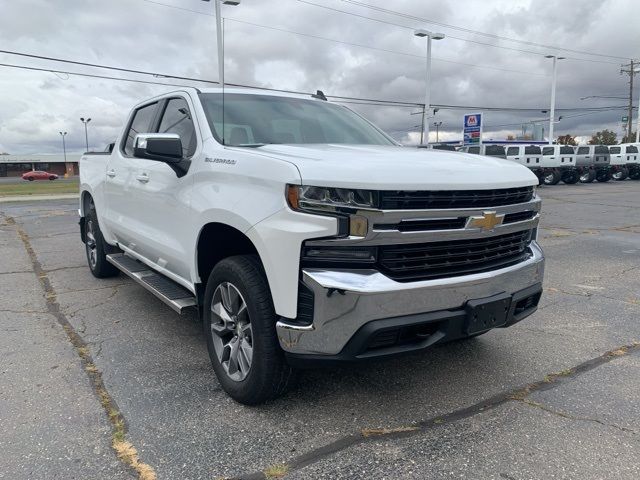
{"x": 96, "y": 248}
{"x": 570, "y": 178}
{"x": 552, "y": 177}
{"x": 634, "y": 173}
{"x": 620, "y": 175}
{"x": 31, "y": 179}
{"x": 588, "y": 176}
{"x": 268, "y": 375}
{"x": 52, "y": 178}
{"x": 603, "y": 176}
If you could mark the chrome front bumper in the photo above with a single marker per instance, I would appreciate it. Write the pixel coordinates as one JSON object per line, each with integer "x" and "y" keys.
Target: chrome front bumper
{"x": 346, "y": 300}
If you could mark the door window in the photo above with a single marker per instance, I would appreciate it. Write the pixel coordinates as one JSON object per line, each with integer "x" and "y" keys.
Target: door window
{"x": 512, "y": 151}
{"x": 475, "y": 150}
{"x": 177, "y": 119}
{"x": 583, "y": 150}
{"x": 614, "y": 150}
{"x": 547, "y": 151}
{"x": 141, "y": 123}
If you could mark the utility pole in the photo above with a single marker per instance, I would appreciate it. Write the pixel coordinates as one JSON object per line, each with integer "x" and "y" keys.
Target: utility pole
{"x": 630, "y": 69}
{"x": 424, "y": 109}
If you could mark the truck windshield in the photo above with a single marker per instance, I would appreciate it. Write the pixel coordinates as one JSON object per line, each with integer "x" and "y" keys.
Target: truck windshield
{"x": 255, "y": 120}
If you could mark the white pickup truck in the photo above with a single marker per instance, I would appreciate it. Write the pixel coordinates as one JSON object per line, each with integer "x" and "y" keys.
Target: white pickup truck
{"x": 304, "y": 235}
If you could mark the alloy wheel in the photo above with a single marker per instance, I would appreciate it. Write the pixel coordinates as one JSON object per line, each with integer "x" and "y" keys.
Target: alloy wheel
{"x": 231, "y": 331}
{"x": 91, "y": 244}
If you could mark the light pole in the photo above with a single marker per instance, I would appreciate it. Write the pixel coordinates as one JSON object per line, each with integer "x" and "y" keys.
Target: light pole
{"x": 64, "y": 147}
{"x": 437, "y": 125}
{"x": 86, "y": 135}
{"x": 553, "y": 94}
{"x": 424, "y": 138}
{"x": 219, "y": 38}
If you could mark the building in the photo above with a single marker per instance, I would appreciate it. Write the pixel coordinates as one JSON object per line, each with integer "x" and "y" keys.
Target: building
{"x": 16, "y": 165}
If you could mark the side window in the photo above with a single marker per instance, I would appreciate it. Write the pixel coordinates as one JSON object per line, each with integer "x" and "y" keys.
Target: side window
{"x": 141, "y": 124}
{"x": 475, "y": 150}
{"x": 547, "y": 151}
{"x": 512, "y": 151}
{"x": 583, "y": 150}
{"x": 177, "y": 119}
{"x": 614, "y": 150}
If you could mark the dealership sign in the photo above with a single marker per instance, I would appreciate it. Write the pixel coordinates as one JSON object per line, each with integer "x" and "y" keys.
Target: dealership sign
{"x": 472, "y": 129}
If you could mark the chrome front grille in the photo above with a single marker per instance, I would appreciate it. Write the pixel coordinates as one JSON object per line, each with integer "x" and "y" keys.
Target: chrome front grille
{"x": 423, "y": 261}
{"x": 427, "y": 200}
{"x": 437, "y": 234}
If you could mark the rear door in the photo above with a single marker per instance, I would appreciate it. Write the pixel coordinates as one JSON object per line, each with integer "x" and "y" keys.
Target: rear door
{"x": 615, "y": 155}
{"x": 161, "y": 210}
{"x": 120, "y": 211}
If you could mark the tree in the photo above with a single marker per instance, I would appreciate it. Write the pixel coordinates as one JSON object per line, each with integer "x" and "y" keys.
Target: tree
{"x": 626, "y": 139}
{"x": 510, "y": 137}
{"x": 567, "y": 140}
{"x": 605, "y": 137}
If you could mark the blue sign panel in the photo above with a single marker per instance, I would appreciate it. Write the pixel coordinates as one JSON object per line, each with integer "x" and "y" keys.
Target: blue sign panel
{"x": 472, "y": 128}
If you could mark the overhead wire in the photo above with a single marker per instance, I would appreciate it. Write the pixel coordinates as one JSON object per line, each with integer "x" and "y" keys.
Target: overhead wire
{"x": 477, "y": 32}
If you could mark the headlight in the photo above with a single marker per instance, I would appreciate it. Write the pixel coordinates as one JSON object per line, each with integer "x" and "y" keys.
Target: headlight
{"x": 329, "y": 199}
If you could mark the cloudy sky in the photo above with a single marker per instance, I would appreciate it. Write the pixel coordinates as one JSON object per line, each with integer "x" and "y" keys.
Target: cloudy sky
{"x": 367, "y": 58}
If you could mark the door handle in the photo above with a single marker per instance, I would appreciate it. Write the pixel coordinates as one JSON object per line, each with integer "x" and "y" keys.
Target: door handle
{"x": 111, "y": 173}
{"x": 142, "y": 178}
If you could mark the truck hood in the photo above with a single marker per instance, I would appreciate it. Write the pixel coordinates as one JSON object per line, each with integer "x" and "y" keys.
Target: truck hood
{"x": 392, "y": 167}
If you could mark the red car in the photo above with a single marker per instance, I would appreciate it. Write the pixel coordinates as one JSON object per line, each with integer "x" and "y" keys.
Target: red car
{"x": 39, "y": 175}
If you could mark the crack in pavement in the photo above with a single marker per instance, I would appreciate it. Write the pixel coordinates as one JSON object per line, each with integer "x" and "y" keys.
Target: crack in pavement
{"x": 124, "y": 450}
{"x": 519, "y": 394}
{"x": 569, "y": 416}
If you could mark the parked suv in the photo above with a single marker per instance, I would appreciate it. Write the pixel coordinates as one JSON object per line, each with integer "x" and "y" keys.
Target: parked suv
{"x": 596, "y": 157}
{"x": 624, "y": 161}
{"x": 487, "y": 150}
{"x": 559, "y": 164}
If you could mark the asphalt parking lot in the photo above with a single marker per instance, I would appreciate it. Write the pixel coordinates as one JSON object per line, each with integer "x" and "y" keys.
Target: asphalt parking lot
{"x": 556, "y": 396}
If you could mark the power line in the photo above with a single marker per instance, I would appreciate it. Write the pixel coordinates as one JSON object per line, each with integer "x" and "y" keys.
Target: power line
{"x": 343, "y": 42}
{"x": 109, "y": 67}
{"x": 407, "y": 27}
{"x": 339, "y": 98}
{"x": 476, "y": 32}
{"x": 64, "y": 72}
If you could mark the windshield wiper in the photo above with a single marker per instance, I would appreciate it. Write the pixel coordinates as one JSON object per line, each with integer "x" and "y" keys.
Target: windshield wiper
{"x": 249, "y": 145}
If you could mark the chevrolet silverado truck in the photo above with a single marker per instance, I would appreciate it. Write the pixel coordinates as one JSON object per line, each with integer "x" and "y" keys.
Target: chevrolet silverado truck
{"x": 304, "y": 235}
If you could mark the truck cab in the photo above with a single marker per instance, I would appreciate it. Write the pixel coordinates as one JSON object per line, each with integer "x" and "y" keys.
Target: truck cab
{"x": 304, "y": 235}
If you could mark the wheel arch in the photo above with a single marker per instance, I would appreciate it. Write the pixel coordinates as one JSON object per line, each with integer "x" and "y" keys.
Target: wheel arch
{"x": 217, "y": 241}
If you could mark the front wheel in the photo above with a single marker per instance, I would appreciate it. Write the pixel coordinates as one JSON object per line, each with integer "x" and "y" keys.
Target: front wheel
{"x": 240, "y": 328}
{"x": 52, "y": 178}
{"x": 552, "y": 177}
{"x": 588, "y": 176}
{"x": 31, "y": 179}
{"x": 621, "y": 174}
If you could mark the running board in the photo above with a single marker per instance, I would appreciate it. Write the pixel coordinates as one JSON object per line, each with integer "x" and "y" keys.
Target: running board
{"x": 174, "y": 295}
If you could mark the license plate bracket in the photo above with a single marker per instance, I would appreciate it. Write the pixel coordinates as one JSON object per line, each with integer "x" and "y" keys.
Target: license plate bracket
{"x": 486, "y": 313}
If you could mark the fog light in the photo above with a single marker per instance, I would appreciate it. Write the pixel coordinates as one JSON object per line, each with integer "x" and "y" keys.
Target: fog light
{"x": 358, "y": 226}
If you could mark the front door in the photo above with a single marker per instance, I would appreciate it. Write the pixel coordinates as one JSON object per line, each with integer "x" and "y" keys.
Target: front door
{"x": 162, "y": 197}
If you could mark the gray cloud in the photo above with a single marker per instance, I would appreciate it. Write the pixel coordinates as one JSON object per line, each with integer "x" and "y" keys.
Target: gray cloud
{"x": 35, "y": 106}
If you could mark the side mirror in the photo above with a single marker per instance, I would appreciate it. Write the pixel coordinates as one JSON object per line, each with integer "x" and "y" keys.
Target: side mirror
{"x": 163, "y": 147}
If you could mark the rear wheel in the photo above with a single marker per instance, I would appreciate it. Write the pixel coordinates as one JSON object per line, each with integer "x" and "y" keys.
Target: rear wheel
{"x": 634, "y": 173}
{"x": 552, "y": 177}
{"x": 52, "y": 177}
{"x": 96, "y": 248}
{"x": 588, "y": 176}
{"x": 240, "y": 328}
{"x": 621, "y": 174}
{"x": 603, "y": 176}
{"x": 31, "y": 179}
{"x": 571, "y": 177}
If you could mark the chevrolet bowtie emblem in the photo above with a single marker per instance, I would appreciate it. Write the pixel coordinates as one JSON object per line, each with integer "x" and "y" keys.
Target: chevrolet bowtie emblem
{"x": 488, "y": 221}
